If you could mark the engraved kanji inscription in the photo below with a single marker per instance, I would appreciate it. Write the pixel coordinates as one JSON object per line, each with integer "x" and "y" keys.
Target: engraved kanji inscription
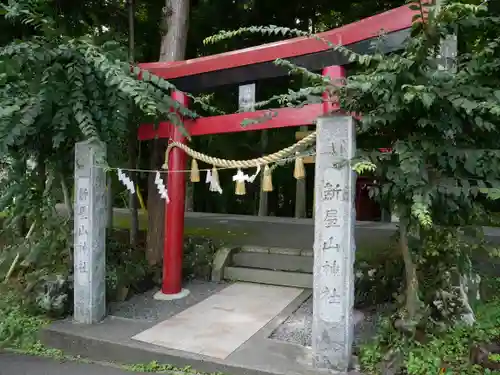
{"x": 330, "y": 244}
{"x": 82, "y": 211}
{"x": 339, "y": 148}
{"x": 83, "y": 194}
{"x": 83, "y": 266}
{"x": 83, "y": 246}
{"x": 331, "y": 191}
{"x": 331, "y": 218}
{"x": 332, "y": 296}
{"x": 82, "y": 230}
{"x": 331, "y": 268}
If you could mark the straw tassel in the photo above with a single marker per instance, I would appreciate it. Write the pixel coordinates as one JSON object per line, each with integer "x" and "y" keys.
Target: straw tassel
{"x": 195, "y": 171}
{"x": 240, "y": 179}
{"x": 165, "y": 163}
{"x": 299, "y": 172}
{"x": 240, "y": 188}
{"x": 267, "y": 180}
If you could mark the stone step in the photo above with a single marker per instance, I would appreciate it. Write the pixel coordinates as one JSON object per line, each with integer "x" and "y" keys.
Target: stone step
{"x": 276, "y": 250}
{"x": 263, "y": 276}
{"x": 275, "y": 262}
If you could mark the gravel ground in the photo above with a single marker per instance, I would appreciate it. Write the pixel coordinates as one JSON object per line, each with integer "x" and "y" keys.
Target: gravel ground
{"x": 297, "y": 328}
{"x": 145, "y": 307}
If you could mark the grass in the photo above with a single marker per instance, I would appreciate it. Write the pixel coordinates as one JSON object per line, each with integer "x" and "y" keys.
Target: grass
{"x": 19, "y": 328}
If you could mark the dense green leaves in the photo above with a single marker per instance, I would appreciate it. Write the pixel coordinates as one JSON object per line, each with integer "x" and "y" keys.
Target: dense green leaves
{"x": 56, "y": 90}
{"x": 442, "y": 125}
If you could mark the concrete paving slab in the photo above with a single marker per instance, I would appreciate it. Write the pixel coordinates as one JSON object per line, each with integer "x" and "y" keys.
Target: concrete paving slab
{"x": 220, "y": 324}
{"x": 15, "y": 364}
{"x": 111, "y": 341}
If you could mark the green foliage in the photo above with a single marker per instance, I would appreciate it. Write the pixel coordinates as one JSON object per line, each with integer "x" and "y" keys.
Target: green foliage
{"x": 156, "y": 367}
{"x": 198, "y": 256}
{"x": 126, "y": 268}
{"x": 19, "y": 327}
{"x": 441, "y": 338}
{"x": 57, "y": 89}
{"x": 450, "y": 349}
{"x": 38, "y": 264}
{"x": 379, "y": 278}
{"x": 440, "y": 124}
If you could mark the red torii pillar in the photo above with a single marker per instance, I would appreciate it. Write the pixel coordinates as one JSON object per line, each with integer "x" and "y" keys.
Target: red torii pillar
{"x": 336, "y": 72}
{"x": 173, "y": 242}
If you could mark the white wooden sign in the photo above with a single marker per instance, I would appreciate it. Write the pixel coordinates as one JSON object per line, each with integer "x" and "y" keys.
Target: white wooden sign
{"x": 246, "y": 97}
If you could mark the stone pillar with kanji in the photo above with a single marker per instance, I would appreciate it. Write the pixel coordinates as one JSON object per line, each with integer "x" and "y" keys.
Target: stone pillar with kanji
{"x": 90, "y": 233}
{"x": 334, "y": 244}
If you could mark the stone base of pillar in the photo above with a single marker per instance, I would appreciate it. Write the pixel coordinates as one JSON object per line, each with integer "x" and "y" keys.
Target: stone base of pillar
{"x": 159, "y": 296}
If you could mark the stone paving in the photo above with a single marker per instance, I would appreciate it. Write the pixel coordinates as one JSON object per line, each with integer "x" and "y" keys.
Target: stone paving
{"x": 220, "y": 324}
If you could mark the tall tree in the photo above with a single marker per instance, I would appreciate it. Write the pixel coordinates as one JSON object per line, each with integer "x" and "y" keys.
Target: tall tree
{"x": 174, "y": 30}
{"x": 132, "y": 142}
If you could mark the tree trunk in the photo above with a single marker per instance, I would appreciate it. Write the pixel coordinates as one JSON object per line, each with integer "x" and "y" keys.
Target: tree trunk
{"x": 173, "y": 48}
{"x": 66, "y": 196}
{"x": 132, "y": 142}
{"x": 468, "y": 316}
{"x": 263, "y": 205}
{"x": 300, "y": 192}
{"x": 412, "y": 300}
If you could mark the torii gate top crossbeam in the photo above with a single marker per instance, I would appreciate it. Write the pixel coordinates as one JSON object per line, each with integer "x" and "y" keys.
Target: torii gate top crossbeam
{"x": 256, "y": 63}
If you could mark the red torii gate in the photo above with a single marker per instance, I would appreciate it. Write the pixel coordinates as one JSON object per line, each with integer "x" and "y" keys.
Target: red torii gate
{"x": 247, "y": 65}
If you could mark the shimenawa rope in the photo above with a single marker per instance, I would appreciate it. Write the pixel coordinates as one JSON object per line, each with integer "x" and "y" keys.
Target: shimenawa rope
{"x": 225, "y": 163}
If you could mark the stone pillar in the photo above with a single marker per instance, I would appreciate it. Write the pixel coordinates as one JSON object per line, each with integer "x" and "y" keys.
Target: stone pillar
{"x": 334, "y": 246}
{"x": 89, "y": 233}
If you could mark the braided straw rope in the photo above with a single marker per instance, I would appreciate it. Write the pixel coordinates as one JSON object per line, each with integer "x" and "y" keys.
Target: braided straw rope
{"x": 225, "y": 163}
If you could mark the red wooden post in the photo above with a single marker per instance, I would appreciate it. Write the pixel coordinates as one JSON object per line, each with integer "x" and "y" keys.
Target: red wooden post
{"x": 174, "y": 219}
{"x": 335, "y": 72}
{"x": 330, "y": 104}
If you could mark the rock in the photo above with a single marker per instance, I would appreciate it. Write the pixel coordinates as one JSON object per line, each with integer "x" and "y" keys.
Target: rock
{"x": 392, "y": 363}
{"x": 480, "y": 355}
